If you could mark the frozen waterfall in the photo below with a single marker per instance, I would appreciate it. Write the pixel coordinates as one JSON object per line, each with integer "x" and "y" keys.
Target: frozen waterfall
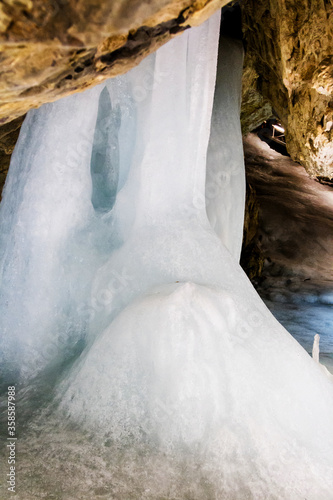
{"x": 119, "y": 273}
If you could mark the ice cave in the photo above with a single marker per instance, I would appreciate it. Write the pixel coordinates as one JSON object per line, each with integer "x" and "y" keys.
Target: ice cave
{"x": 145, "y": 363}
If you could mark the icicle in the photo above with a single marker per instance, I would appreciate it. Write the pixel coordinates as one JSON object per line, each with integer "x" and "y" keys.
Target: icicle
{"x": 315, "y": 348}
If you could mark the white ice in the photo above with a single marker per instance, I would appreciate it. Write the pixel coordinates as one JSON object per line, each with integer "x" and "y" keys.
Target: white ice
{"x": 107, "y": 248}
{"x": 225, "y": 172}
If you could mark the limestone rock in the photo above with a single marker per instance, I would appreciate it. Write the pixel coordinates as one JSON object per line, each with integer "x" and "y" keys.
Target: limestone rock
{"x": 289, "y": 44}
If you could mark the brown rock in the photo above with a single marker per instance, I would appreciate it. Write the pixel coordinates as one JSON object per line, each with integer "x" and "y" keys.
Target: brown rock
{"x": 255, "y": 108}
{"x": 289, "y": 44}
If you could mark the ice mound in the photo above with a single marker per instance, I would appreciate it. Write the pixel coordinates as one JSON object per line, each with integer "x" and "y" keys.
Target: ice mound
{"x": 179, "y": 364}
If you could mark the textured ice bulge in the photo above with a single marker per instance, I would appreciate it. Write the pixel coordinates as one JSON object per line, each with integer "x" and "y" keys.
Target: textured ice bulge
{"x": 46, "y": 204}
{"x": 115, "y": 275}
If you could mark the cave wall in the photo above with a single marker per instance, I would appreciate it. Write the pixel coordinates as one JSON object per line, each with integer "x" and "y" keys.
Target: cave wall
{"x": 289, "y": 65}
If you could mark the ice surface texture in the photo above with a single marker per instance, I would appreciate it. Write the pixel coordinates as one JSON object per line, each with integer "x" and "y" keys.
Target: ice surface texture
{"x": 225, "y": 173}
{"x": 112, "y": 269}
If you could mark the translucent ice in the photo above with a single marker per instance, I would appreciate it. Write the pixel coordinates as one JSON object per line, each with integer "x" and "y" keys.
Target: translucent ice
{"x": 225, "y": 174}
{"x": 108, "y": 255}
{"x": 315, "y": 348}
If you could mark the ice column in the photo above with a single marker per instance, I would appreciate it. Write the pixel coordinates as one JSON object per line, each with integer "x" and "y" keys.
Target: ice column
{"x": 46, "y": 203}
{"x": 225, "y": 184}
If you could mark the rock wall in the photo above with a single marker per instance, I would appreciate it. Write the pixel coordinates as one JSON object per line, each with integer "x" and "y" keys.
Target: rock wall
{"x": 255, "y": 107}
{"x": 289, "y": 46}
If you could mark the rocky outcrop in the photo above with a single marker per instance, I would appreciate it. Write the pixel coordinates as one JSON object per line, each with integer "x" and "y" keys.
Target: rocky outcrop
{"x": 52, "y": 48}
{"x": 289, "y": 46}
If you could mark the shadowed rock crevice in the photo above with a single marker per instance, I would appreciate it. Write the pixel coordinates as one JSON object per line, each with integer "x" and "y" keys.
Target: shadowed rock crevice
{"x": 141, "y": 39}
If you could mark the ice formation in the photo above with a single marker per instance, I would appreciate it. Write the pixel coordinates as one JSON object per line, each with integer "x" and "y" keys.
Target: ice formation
{"x": 113, "y": 272}
{"x": 225, "y": 172}
{"x": 315, "y": 348}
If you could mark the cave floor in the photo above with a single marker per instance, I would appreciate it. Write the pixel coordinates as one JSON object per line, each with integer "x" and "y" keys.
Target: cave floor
{"x": 295, "y": 236}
